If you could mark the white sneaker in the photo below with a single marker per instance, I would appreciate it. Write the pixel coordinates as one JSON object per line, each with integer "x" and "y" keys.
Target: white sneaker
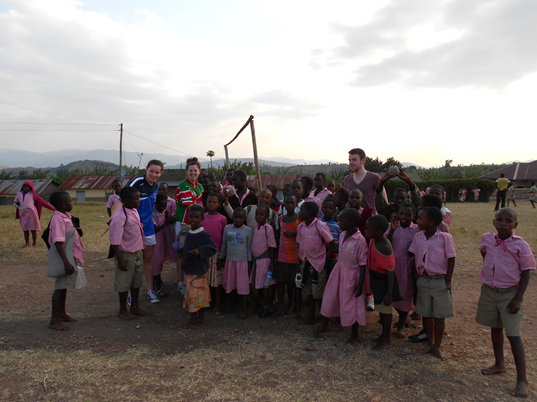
{"x": 129, "y": 300}
{"x": 152, "y": 297}
{"x": 370, "y": 303}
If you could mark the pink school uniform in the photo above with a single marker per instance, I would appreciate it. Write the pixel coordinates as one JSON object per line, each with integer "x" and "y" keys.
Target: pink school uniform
{"x": 504, "y": 260}
{"x": 432, "y": 255}
{"x": 170, "y": 206}
{"x": 163, "y": 251}
{"x": 312, "y": 242}
{"x": 339, "y": 299}
{"x": 321, "y": 195}
{"x": 214, "y": 225}
{"x": 312, "y": 198}
{"x": 32, "y": 203}
{"x": 263, "y": 240}
{"x": 112, "y": 200}
{"x": 447, "y": 217}
{"x": 401, "y": 240}
{"x": 126, "y": 231}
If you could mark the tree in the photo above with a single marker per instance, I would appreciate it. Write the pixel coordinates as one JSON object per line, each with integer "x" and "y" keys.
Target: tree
{"x": 448, "y": 163}
{"x": 210, "y": 154}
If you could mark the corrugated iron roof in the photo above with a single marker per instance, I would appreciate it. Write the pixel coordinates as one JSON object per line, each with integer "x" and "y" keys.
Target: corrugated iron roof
{"x": 93, "y": 182}
{"x": 516, "y": 171}
{"x": 278, "y": 180}
{"x": 10, "y": 187}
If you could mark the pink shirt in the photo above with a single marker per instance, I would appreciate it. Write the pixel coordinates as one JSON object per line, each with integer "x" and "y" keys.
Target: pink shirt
{"x": 447, "y": 216}
{"x": 311, "y": 240}
{"x": 112, "y": 201}
{"x": 353, "y": 251}
{"x": 322, "y": 194}
{"x": 60, "y": 224}
{"x": 504, "y": 260}
{"x": 402, "y": 238}
{"x": 126, "y": 231}
{"x": 214, "y": 225}
{"x": 312, "y": 198}
{"x": 263, "y": 239}
{"x": 170, "y": 206}
{"x": 431, "y": 255}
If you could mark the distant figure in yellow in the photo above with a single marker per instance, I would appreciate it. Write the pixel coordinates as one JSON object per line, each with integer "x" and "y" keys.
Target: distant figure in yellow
{"x": 501, "y": 185}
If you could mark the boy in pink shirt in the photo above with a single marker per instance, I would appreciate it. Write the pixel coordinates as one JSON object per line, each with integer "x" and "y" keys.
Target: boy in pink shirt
{"x": 127, "y": 240}
{"x": 434, "y": 255}
{"x": 507, "y": 262}
{"x": 312, "y": 237}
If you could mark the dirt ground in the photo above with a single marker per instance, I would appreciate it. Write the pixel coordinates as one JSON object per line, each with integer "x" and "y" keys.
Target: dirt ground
{"x": 105, "y": 358}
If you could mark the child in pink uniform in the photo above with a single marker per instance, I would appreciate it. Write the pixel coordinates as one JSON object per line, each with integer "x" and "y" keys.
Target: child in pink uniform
{"x": 434, "y": 254}
{"x": 170, "y": 202}
{"x": 163, "y": 252}
{"x": 263, "y": 256}
{"x": 65, "y": 249}
{"x": 235, "y": 254}
{"x": 214, "y": 223}
{"x": 114, "y": 198}
{"x": 437, "y": 189}
{"x": 401, "y": 233}
{"x": 507, "y": 262}
{"x": 344, "y": 295}
{"x": 29, "y": 206}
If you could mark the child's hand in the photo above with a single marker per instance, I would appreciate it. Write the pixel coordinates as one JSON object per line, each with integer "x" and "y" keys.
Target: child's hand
{"x": 220, "y": 264}
{"x": 336, "y": 218}
{"x": 387, "y": 300}
{"x": 179, "y": 254}
{"x": 385, "y": 177}
{"x": 514, "y": 306}
{"x": 122, "y": 265}
{"x": 68, "y": 268}
{"x": 358, "y": 290}
{"x": 289, "y": 233}
{"x": 402, "y": 175}
{"x": 394, "y": 222}
{"x": 195, "y": 252}
{"x": 448, "y": 284}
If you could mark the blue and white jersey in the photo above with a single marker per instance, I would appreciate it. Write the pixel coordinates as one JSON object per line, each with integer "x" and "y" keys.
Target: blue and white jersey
{"x": 148, "y": 197}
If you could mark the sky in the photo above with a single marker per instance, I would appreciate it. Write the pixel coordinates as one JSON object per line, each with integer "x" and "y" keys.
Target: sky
{"x": 420, "y": 80}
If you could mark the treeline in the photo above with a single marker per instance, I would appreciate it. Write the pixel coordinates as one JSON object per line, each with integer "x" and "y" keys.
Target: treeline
{"x": 62, "y": 174}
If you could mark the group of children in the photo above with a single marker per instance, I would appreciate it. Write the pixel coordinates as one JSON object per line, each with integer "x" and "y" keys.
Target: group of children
{"x": 334, "y": 250}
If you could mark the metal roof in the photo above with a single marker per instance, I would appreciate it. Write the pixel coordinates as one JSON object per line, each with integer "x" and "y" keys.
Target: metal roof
{"x": 11, "y": 187}
{"x": 516, "y": 171}
{"x": 278, "y": 180}
{"x": 93, "y": 182}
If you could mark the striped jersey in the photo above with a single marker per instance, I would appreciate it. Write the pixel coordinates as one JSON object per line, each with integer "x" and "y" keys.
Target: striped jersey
{"x": 185, "y": 195}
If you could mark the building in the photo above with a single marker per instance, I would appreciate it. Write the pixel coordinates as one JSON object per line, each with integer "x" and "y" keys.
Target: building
{"x": 92, "y": 188}
{"x": 521, "y": 174}
{"x": 10, "y": 188}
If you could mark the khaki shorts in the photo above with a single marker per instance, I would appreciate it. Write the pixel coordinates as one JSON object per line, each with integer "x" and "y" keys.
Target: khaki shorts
{"x": 382, "y": 309}
{"x": 434, "y": 300}
{"x": 134, "y": 276}
{"x": 314, "y": 289}
{"x": 492, "y": 310}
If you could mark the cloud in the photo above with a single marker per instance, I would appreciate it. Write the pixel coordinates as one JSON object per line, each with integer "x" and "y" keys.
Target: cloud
{"x": 440, "y": 44}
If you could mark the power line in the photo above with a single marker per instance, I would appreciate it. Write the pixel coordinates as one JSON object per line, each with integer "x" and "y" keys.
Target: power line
{"x": 55, "y": 130}
{"x": 61, "y": 124}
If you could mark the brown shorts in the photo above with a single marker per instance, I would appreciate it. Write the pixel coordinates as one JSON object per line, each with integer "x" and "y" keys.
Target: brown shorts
{"x": 434, "y": 300}
{"x": 492, "y": 310}
{"x": 134, "y": 276}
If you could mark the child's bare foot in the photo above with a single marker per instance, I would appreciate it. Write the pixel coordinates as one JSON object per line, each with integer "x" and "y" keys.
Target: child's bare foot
{"x": 309, "y": 321}
{"x": 58, "y": 326}
{"x": 495, "y": 369}
{"x": 521, "y": 389}
{"x": 399, "y": 334}
{"x": 382, "y": 345}
{"x": 427, "y": 349}
{"x": 201, "y": 319}
{"x": 415, "y": 317}
{"x": 377, "y": 340}
{"x": 438, "y": 353}
{"x": 26, "y": 245}
{"x": 190, "y": 325}
{"x": 278, "y": 313}
{"x": 139, "y": 311}
{"x": 352, "y": 340}
{"x": 243, "y": 316}
{"x": 66, "y": 318}
{"x": 127, "y": 316}
{"x": 34, "y": 245}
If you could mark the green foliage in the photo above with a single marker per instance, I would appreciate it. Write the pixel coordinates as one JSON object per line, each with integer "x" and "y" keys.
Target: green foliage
{"x": 451, "y": 187}
{"x": 456, "y": 172}
{"x": 376, "y": 165}
{"x": 6, "y": 175}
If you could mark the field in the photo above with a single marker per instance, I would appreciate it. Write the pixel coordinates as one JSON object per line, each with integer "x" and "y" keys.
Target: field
{"x": 103, "y": 358}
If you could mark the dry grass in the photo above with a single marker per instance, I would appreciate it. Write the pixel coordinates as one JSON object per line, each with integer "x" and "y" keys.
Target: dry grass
{"x": 254, "y": 360}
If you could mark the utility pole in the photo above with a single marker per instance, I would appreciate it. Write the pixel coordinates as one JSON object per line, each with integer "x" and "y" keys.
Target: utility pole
{"x": 120, "y": 148}
{"x": 256, "y": 161}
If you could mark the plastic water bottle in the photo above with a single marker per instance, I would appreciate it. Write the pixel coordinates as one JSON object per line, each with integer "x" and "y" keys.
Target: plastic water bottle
{"x": 298, "y": 280}
{"x": 268, "y": 279}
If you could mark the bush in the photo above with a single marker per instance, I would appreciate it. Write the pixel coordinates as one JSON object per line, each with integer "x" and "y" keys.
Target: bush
{"x": 452, "y": 188}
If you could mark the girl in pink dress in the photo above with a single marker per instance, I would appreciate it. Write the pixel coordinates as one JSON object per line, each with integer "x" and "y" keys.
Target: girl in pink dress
{"x": 344, "y": 295}
{"x": 163, "y": 252}
{"x": 401, "y": 233}
{"x": 29, "y": 206}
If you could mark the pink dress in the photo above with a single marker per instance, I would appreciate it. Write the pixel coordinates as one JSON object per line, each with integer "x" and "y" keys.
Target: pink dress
{"x": 402, "y": 237}
{"x": 29, "y": 219}
{"x": 214, "y": 225}
{"x": 263, "y": 240}
{"x": 163, "y": 251}
{"x": 339, "y": 299}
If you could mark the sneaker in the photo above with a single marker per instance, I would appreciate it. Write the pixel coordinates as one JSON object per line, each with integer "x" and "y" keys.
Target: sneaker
{"x": 370, "y": 303}
{"x": 181, "y": 288}
{"x": 152, "y": 297}
{"x": 421, "y": 337}
{"x": 129, "y": 300}
{"x": 161, "y": 292}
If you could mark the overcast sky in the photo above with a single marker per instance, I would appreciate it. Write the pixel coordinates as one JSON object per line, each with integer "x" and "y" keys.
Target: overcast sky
{"x": 420, "y": 80}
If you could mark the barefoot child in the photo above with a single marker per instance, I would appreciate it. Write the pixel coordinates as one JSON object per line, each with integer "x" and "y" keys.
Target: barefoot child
{"x": 434, "y": 256}
{"x": 329, "y": 209}
{"x": 287, "y": 266}
{"x": 127, "y": 240}
{"x": 313, "y": 237}
{"x": 114, "y": 198}
{"x": 344, "y": 295}
{"x": 195, "y": 254}
{"x": 214, "y": 223}
{"x": 401, "y": 233}
{"x": 236, "y": 254}
{"x": 381, "y": 265}
{"x": 507, "y": 262}
{"x": 66, "y": 250}
{"x": 29, "y": 206}
{"x": 164, "y": 251}
{"x": 263, "y": 255}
